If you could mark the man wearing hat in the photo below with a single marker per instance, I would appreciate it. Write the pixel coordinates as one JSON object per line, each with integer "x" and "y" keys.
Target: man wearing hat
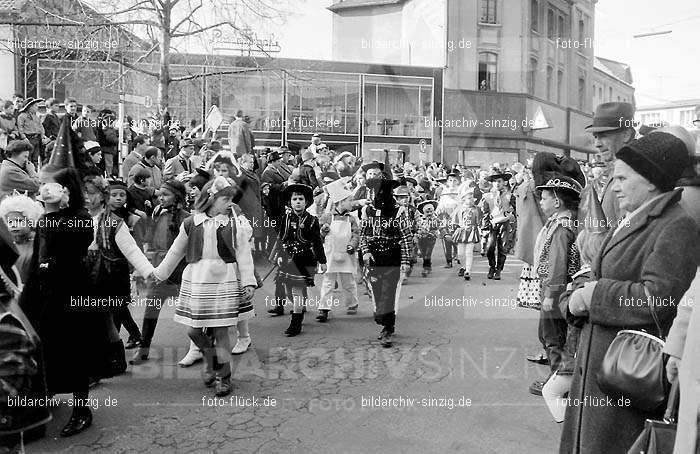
{"x": 385, "y": 243}
{"x": 180, "y": 163}
{"x": 498, "y": 206}
{"x": 612, "y": 129}
{"x": 31, "y": 129}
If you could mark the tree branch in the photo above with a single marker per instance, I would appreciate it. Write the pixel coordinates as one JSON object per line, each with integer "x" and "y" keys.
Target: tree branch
{"x": 202, "y": 29}
{"x": 185, "y": 19}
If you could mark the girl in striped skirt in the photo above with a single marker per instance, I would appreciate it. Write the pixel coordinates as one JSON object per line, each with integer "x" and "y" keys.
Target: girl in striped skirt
{"x": 218, "y": 277}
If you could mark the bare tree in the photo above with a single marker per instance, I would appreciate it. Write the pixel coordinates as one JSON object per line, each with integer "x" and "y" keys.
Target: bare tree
{"x": 156, "y": 31}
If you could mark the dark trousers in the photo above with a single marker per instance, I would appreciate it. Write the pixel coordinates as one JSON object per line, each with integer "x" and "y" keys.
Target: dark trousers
{"x": 155, "y": 295}
{"x": 552, "y": 333}
{"x": 37, "y": 150}
{"x": 494, "y": 248}
{"x": 384, "y": 281}
{"x": 122, "y": 317}
{"x": 426, "y": 246}
{"x": 450, "y": 248}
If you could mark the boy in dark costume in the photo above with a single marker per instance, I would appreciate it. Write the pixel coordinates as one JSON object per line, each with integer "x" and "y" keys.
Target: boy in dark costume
{"x": 301, "y": 251}
{"x": 385, "y": 242}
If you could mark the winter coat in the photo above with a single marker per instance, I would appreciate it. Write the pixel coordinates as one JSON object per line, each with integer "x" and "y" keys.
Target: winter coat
{"x": 658, "y": 251}
{"x": 251, "y": 202}
{"x": 14, "y": 177}
{"x": 530, "y": 221}
{"x": 240, "y": 137}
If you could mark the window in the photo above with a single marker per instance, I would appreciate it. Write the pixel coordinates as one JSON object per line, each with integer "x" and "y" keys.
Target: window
{"x": 488, "y": 11}
{"x": 534, "y": 15}
{"x": 550, "y": 23}
{"x": 581, "y": 27}
{"x": 560, "y": 27}
{"x": 687, "y": 117}
{"x": 581, "y": 93}
{"x": 531, "y": 76}
{"x": 487, "y": 71}
{"x": 560, "y": 85}
{"x": 550, "y": 72}
{"x": 396, "y": 106}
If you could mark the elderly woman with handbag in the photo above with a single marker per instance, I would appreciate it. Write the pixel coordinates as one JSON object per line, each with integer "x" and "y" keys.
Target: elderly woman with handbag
{"x": 646, "y": 264}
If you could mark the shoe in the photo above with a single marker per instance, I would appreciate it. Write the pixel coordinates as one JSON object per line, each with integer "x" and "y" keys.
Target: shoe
{"x": 424, "y": 273}
{"x": 381, "y": 333}
{"x": 80, "y": 420}
{"x": 322, "y": 315}
{"x": 385, "y": 341}
{"x": 536, "y": 387}
{"x": 497, "y": 275}
{"x": 140, "y": 356}
{"x": 192, "y": 356}
{"x": 242, "y": 345}
{"x": 276, "y": 311}
{"x": 448, "y": 265}
{"x": 133, "y": 342}
{"x": 352, "y": 310}
{"x": 223, "y": 386}
{"x": 491, "y": 272}
{"x": 540, "y": 358}
{"x": 295, "y": 325}
{"x": 116, "y": 363}
{"x": 461, "y": 271}
{"x": 466, "y": 276}
{"x": 209, "y": 378}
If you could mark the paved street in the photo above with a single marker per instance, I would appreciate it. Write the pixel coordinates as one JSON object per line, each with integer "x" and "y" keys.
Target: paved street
{"x": 463, "y": 366}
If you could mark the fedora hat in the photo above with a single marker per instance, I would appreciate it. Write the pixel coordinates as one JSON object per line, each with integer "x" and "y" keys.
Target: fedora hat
{"x": 273, "y": 156}
{"x": 610, "y": 116}
{"x": 434, "y": 203}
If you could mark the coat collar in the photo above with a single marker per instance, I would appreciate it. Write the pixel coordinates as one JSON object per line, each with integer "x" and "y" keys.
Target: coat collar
{"x": 652, "y": 210}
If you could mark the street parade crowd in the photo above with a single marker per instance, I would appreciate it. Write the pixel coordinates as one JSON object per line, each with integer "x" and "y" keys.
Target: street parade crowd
{"x": 609, "y": 248}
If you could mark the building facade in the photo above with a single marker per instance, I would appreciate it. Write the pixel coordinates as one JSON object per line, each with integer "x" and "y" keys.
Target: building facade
{"x": 519, "y": 76}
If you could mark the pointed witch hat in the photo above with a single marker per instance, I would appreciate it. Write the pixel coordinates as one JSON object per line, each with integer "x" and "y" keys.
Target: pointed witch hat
{"x": 62, "y": 154}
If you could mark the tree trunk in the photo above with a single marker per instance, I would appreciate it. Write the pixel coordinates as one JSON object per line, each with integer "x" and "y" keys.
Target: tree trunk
{"x": 164, "y": 78}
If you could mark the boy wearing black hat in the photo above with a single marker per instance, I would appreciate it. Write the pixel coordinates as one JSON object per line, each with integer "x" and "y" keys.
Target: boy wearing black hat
{"x": 302, "y": 251}
{"x": 498, "y": 207}
{"x": 385, "y": 242}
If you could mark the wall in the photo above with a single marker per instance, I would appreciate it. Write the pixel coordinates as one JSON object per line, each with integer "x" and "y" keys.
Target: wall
{"x": 7, "y": 65}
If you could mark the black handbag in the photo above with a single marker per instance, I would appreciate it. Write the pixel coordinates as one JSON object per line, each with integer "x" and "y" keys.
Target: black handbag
{"x": 633, "y": 368}
{"x": 659, "y": 437}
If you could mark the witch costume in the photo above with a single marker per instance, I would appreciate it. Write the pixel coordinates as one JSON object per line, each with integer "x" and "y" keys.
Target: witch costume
{"x": 385, "y": 236}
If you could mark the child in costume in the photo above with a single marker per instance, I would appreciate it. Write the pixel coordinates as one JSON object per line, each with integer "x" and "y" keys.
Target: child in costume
{"x": 588, "y": 243}
{"x": 116, "y": 249}
{"x": 301, "y": 251}
{"x": 21, "y": 214}
{"x": 446, "y": 207}
{"x": 385, "y": 242}
{"x": 163, "y": 228}
{"x": 340, "y": 233}
{"x": 428, "y": 232}
{"x": 407, "y": 211}
{"x": 465, "y": 223}
{"x": 557, "y": 260}
{"x": 218, "y": 276}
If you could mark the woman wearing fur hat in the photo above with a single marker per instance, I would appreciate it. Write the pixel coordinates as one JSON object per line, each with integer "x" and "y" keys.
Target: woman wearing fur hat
{"x": 21, "y": 214}
{"x": 385, "y": 242}
{"x": 218, "y": 278}
{"x": 302, "y": 251}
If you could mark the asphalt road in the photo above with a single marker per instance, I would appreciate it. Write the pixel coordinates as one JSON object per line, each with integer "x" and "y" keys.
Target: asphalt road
{"x": 455, "y": 381}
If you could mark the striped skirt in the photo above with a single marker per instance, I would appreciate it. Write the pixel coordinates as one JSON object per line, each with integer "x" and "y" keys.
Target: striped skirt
{"x": 211, "y": 296}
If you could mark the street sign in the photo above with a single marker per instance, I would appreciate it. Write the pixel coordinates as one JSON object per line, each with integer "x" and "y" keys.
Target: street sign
{"x": 214, "y": 119}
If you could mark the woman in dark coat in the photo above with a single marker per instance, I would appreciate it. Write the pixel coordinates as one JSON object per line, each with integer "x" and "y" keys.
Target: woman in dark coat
{"x": 659, "y": 246}
{"x": 56, "y": 293}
